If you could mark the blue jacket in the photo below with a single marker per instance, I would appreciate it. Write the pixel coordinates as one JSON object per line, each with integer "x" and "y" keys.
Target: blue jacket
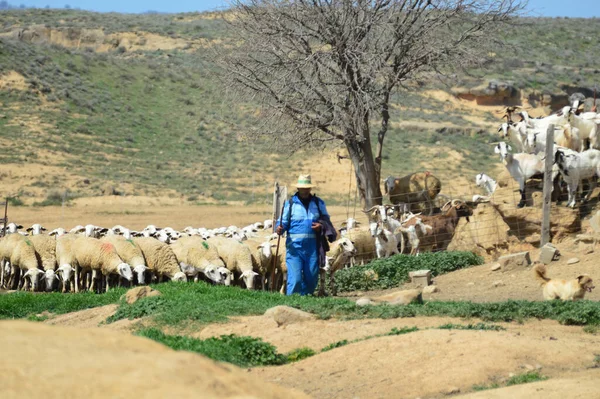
{"x": 299, "y": 225}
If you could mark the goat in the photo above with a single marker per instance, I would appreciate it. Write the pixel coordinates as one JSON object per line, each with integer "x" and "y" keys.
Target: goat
{"x": 577, "y": 166}
{"x": 489, "y": 184}
{"x": 386, "y": 243}
{"x": 414, "y": 234}
{"x": 413, "y": 189}
{"x": 438, "y": 230}
{"x": 588, "y": 128}
{"x": 516, "y": 132}
{"x": 520, "y": 166}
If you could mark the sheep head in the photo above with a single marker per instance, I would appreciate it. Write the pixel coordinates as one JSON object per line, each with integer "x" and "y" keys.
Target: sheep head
{"x": 124, "y": 271}
{"x": 50, "y": 278}
{"x": 248, "y": 277}
{"x": 64, "y": 273}
{"x": 225, "y": 275}
{"x": 212, "y": 273}
{"x": 140, "y": 272}
{"x": 34, "y": 276}
{"x": 179, "y": 276}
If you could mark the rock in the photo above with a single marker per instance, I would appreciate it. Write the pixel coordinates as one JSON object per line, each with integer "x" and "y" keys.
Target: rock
{"x": 533, "y": 239}
{"x": 284, "y": 315}
{"x": 400, "y": 297}
{"x": 486, "y": 233}
{"x": 528, "y": 367}
{"x": 548, "y": 254}
{"x": 572, "y": 261}
{"x": 430, "y": 289}
{"x": 134, "y": 294}
{"x": 453, "y": 391}
{"x": 586, "y": 249}
{"x": 363, "y": 302}
{"x": 498, "y": 283}
{"x": 492, "y": 93}
{"x": 496, "y": 266}
{"x": 420, "y": 277}
{"x": 515, "y": 261}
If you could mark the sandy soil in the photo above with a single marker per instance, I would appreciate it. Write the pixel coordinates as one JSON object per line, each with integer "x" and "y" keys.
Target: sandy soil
{"x": 109, "y": 364}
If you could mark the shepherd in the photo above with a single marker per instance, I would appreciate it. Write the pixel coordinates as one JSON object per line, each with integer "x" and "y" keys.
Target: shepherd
{"x": 309, "y": 228}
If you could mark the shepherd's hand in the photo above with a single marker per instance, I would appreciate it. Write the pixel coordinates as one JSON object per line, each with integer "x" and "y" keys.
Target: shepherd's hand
{"x": 279, "y": 230}
{"x": 316, "y": 227}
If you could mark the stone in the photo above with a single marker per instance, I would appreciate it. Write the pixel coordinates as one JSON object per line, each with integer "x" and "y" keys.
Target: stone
{"x": 548, "y": 254}
{"x": 586, "y": 249}
{"x": 528, "y": 367}
{"x": 453, "y": 391}
{"x": 495, "y": 267}
{"x": 572, "y": 261}
{"x": 404, "y": 297}
{"x": 519, "y": 260}
{"x": 498, "y": 283}
{"x": 420, "y": 277}
{"x": 284, "y": 315}
{"x": 363, "y": 302}
{"x": 137, "y": 293}
{"x": 430, "y": 289}
{"x": 533, "y": 239}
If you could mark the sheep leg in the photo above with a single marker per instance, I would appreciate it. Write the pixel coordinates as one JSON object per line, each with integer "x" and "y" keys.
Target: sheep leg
{"x": 322, "y": 274}
{"x": 107, "y": 282}
{"x": 572, "y": 193}
{"x": 263, "y": 281}
{"x": 2, "y": 266}
{"x": 76, "y": 278}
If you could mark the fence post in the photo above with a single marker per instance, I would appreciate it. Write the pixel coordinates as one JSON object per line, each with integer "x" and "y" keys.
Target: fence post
{"x": 548, "y": 184}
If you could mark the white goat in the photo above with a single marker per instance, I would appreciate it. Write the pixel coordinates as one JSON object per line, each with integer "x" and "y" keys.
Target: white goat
{"x": 515, "y": 132}
{"x": 520, "y": 166}
{"x": 489, "y": 184}
{"x": 414, "y": 234}
{"x": 577, "y": 166}
{"x": 588, "y": 129}
{"x": 386, "y": 243}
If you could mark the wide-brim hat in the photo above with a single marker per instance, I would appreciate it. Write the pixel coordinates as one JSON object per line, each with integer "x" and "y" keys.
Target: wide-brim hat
{"x": 304, "y": 181}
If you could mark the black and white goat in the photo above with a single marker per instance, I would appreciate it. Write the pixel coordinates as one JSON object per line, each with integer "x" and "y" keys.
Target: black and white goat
{"x": 577, "y": 166}
{"x": 521, "y": 166}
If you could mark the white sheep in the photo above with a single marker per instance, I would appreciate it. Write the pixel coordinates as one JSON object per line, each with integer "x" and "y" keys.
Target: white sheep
{"x": 13, "y": 228}
{"x": 19, "y": 251}
{"x": 160, "y": 259}
{"x": 100, "y": 258}
{"x": 131, "y": 254}
{"x": 268, "y": 224}
{"x": 45, "y": 247}
{"x": 262, "y": 258}
{"x": 520, "y": 166}
{"x": 338, "y": 255}
{"x": 36, "y": 229}
{"x": 577, "y": 166}
{"x": 58, "y": 232}
{"x": 237, "y": 258}
{"x": 66, "y": 262}
{"x": 197, "y": 256}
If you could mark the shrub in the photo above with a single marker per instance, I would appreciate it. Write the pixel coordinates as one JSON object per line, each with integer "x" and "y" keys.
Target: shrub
{"x": 53, "y": 198}
{"x": 15, "y": 201}
{"x": 299, "y": 354}
{"x": 393, "y": 271}
{"x": 241, "y": 351}
{"x": 334, "y": 345}
{"x": 526, "y": 378}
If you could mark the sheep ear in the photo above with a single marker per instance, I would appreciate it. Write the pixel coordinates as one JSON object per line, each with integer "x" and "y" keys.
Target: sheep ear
{"x": 44, "y": 229}
{"x": 19, "y": 226}
{"x": 509, "y": 148}
{"x": 499, "y": 129}
{"x": 29, "y": 229}
{"x": 497, "y": 149}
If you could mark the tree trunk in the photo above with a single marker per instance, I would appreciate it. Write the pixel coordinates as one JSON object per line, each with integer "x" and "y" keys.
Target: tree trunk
{"x": 367, "y": 175}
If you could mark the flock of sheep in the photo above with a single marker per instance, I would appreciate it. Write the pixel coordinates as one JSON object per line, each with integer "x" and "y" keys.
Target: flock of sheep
{"x": 95, "y": 259}
{"x": 575, "y": 148}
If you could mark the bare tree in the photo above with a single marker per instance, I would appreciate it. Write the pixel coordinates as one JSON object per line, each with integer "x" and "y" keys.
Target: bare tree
{"x": 325, "y": 70}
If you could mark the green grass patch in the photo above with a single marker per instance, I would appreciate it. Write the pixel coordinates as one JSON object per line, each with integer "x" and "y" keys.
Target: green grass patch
{"x": 393, "y": 271}
{"x": 526, "y": 378}
{"x": 19, "y": 305}
{"x": 531, "y": 376}
{"x": 241, "y": 351}
{"x": 334, "y": 345}
{"x": 299, "y": 354}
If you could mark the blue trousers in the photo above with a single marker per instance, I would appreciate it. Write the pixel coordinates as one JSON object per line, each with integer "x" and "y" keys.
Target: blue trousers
{"x": 303, "y": 267}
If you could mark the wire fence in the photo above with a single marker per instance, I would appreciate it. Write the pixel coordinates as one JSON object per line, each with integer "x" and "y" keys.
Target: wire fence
{"x": 502, "y": 221}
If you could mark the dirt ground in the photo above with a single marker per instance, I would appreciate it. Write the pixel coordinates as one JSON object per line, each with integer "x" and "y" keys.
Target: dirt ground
{"x": 428, "y": 363}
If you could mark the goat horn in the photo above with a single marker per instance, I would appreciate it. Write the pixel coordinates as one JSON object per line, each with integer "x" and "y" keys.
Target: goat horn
{"x": 370, "y": 209}
{"x": 456, "y": 202}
